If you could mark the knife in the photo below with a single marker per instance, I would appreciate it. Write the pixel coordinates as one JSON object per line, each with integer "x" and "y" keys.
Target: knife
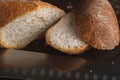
{"x": 33, "y": 65}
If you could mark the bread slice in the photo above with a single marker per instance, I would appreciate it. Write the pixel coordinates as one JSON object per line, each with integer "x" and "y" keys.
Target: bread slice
{"x": 63, "y": 36}
{"x": 97, "y": 24}
{"x": 23, "y": 22}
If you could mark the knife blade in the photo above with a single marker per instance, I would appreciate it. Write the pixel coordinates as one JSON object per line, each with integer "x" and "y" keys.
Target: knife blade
{"x": 19, "y": 58}
{"x": 32, "y": 65}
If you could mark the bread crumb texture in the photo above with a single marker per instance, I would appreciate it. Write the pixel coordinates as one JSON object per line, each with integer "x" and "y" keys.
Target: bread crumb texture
{"x": 23, "y": 22}
{"x": 63, "y": 36}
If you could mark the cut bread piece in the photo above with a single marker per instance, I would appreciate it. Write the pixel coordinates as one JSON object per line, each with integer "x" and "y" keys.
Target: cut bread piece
{"x": 63, "y": 36}
{"x": 23, "y": 22}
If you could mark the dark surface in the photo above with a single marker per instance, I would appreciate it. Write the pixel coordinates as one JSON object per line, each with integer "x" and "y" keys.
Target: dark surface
{"x": 28, "y": 65}
{"x": 8, "y": 79}
{"x": 97, "y": 63}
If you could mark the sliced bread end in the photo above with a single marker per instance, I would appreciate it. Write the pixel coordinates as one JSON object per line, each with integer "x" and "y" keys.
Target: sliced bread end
{"x": 29, "y": 20}
{"x": 63, "y": 36}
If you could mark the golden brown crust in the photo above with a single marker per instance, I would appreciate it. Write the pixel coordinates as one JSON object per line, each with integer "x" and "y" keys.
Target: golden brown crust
{"x": 12, "y": 10}
{"x": 9, "y": 11}
{"x": 17, "y": 0}
{"x": 97, "y": 24}
{"x": 67, "y": 51}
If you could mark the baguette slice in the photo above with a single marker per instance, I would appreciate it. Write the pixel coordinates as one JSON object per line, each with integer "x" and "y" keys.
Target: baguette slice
{"x": 23, "y": 22}
{"x": 97, "y": 24}
{"x": 63, "y": 36}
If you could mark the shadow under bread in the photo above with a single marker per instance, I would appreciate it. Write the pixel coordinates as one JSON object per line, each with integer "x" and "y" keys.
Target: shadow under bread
{"x": 65, "y": 63}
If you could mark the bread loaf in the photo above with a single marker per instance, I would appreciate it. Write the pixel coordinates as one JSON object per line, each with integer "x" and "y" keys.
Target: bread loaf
{"x": 97, "y": 24}
{"x": 63, "y": 36}
{"x": 23, "y": 22}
